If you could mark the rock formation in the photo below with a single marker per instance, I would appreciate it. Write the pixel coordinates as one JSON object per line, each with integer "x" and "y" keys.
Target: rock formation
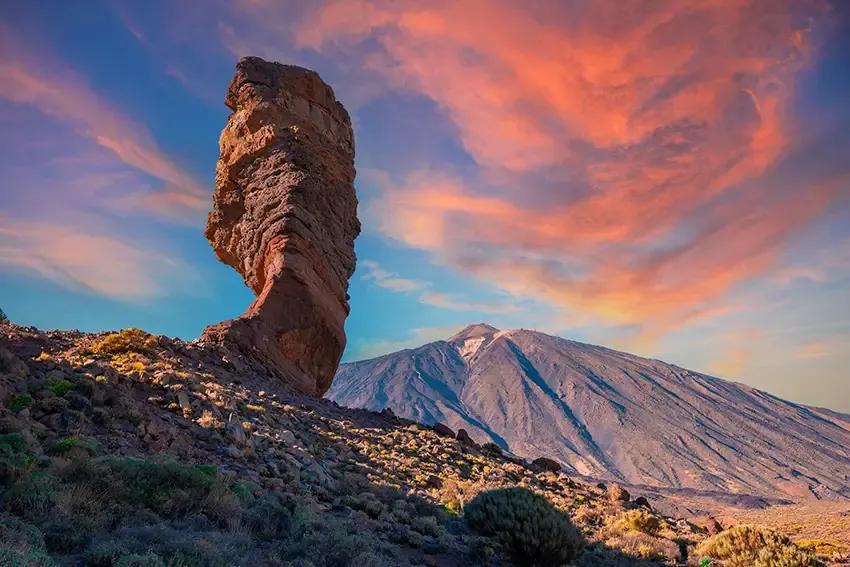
{"x": 285, "y": 217}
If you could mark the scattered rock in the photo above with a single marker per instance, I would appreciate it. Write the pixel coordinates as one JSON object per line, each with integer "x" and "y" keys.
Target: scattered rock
{"x": 642, "y": 502}
{"x": 443, "y": 430}
{"x": 545, "y": 464}
{"x": 709, "y": 524}
{"x": 287, "y": 437}
{"x": 465, "y": 439}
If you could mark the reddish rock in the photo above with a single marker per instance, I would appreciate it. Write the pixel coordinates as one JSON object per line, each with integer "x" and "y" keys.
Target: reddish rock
{"x": 443, "y": 430}
{"x": 642, "y": 502}
{"x": 465, "y": 439}
{"x": 545, "y": 464}
{"x": 285, "y": 217}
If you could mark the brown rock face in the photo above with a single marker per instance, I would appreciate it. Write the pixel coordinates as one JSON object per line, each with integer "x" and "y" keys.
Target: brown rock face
{"x": 285, "y": 217}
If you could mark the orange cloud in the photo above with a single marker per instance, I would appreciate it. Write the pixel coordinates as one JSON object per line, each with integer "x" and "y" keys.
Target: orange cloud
{"x": 623, "y": 149}
{"x": 822, "y": 348}
{"x": 537, "y": 253}
{"x": 96, "y": 263}
{"x": 36, "y": 80}
{"x": 736, "y": 354}
{"x": 453, "y": 303}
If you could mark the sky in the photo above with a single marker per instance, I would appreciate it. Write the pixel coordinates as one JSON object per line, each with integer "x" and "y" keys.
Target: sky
{"x": 668, "y": 178}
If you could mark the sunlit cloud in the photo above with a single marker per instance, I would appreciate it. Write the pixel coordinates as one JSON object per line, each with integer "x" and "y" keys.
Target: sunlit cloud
{"x": 82, "y": 260}
{"x": 393, "y": 282}
{"x": 29, "y": 76}
{"x": 821, "y": 348}
{"x": 455, "y": 303}
{"x": 388, "y": 280}
{"x": 416, "y": 337}
{"x": 736, "y": 351}
{"x": 626, "y": 158}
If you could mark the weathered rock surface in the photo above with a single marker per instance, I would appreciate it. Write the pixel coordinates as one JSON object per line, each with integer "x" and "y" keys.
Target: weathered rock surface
{"x": 285, "y": 217}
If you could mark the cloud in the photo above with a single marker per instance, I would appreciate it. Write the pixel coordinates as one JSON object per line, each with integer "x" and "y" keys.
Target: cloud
{"x": 30, "y": 77}
{"x": 822, "y": 348}
{"x": 628, "y": 160}
{"x": 95, "y": 263}
{"x": 388, "y": 280}
{"x": 416, "y": 337}
{"x": 453, "y": 303}
{"x": 736, "y": 353}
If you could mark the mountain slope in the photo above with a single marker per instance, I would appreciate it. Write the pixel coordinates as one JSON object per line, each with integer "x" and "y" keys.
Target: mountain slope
{"x": 609, "y": 414}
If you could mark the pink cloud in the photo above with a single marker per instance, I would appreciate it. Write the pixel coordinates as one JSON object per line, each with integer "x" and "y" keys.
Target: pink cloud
{"x": 33, "y": 78}
{"x": 622, "y": 149}
{"x": 97, "y": 263}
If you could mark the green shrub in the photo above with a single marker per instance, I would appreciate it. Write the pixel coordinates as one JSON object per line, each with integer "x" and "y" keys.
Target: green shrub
{"x": 67, "y": 444}
{"x": 11, "y": 443}
{"x": 19, "y": 402}
{"x": 22, "y": 545}
{"x": 139, "y": 560}
{"x": 533, "y": 531}
{"x": 18, "y": 535}
{"x": 61, "y": 387}
{"x": 638, "y": 521}
{"x": 24, "y": 558}
{"x": 268, "y": 517}
{"x": 32, "y": 495}
{"x": 751, "y": 546}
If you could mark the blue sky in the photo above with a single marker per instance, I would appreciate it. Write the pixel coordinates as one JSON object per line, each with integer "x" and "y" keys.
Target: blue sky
{"x": 670, "y": 180}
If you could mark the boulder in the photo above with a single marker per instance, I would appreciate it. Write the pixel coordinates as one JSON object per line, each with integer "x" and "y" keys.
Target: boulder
{"x": 285, "y": 217}
{"x": 544, "y": 464}
{"x": 465, "y": 439}
{"x": 642, "y": 502}
{"x": 443, "y": 430}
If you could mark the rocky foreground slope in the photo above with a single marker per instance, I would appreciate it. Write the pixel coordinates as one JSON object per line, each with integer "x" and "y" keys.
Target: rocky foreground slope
{"x": 241, "y": 469}
{"x": 609, "y": 414}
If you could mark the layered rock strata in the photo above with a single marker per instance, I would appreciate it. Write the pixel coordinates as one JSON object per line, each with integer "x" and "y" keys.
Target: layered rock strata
{"x": 285, "y": 217}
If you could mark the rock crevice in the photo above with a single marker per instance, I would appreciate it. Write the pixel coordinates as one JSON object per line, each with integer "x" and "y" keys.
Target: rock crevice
{"x": 285, "y": 217}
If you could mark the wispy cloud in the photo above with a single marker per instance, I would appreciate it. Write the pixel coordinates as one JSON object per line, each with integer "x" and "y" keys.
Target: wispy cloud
{"x": 455, "y": 303}
{"x": 388, "y": 280}
{"x": 30, "y": 76}
{"x": 626, "y": 159}
{"x": 90, "y": 262}
{"x": 416, "y": 337}
{"x": 735, "y": 353}
{"x": 822, "y": 348}
{"x": 392, "y": 281}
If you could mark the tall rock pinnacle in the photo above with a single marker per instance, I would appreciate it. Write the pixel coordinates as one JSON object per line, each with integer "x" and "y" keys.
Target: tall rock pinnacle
{"x": 285, "y": 217}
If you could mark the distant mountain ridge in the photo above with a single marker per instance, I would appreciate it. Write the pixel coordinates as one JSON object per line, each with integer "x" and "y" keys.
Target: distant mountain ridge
{"x": 609, "y": 414}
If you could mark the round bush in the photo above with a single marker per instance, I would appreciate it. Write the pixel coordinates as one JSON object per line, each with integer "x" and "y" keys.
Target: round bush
{"x": 533, "y": 531}
{"x": 751, "y": 546}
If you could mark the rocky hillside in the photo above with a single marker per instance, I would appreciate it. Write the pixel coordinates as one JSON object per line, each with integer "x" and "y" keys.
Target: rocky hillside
{"x": 128, "y": 445}
{"x": 609, "y": 414}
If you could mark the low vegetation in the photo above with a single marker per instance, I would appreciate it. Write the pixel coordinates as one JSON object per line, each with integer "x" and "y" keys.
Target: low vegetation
{"x": 639, "y": 521}
{"x": 123, "y": 342}
{"x": 110, "y": 512}
{"x": 751, "y": 546}
{"x": 258, "y": 476}
{"x": 533, "y": 531}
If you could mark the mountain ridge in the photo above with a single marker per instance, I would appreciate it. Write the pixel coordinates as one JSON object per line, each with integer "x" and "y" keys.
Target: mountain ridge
{"x": 609, "y": 414}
